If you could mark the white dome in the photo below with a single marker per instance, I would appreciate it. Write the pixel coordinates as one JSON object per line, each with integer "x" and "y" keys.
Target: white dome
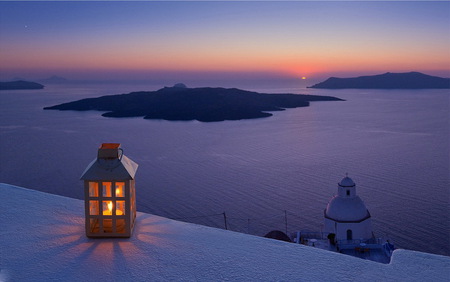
{"x": 346, "y": 182}
{"x": 346, "y": 209}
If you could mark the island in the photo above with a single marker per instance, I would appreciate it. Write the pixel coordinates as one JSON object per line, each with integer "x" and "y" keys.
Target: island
{"x": 180, "y": 103}
{"x": 19, "y": 85}
{"x": 54, "y": 79}
{"x": 409, "y": 80}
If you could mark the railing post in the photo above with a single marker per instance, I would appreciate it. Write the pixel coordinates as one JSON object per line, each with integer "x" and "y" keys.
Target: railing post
{"x": 285, "y": 220}
{"x": 225, "y": 219}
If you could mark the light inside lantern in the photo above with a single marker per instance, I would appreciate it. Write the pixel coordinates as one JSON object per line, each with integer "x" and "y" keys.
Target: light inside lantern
{"x": 106, "y": 189}
{"x": 120, "y": 189}
{"x": 107, "y": 207}
{"x": 93, "y": 208}
{"x": 120, "y": 225}
{"x": 107, "y": 225}
{"x": 93, "y": 189}
{"x": 94, "y": 225}
{"x": 120, "y": 207}
{"x": 108, "y": 203}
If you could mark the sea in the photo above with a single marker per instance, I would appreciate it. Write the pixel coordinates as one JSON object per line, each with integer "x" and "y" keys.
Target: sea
{"x": 250, "y": 176}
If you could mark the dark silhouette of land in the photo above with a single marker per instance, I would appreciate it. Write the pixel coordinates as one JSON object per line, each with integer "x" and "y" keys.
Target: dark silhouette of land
{"x": 410, "y": 80}
{"x": 20, "y": 84}
{"x": 54, "y": 79}
{"x": 202, "y": 104}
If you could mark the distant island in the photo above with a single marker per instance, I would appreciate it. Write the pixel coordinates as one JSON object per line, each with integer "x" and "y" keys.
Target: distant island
{"x": 409, "y": 80}
{"x": 54, "y": 79}
{"x": 20, "y": 84}
{"x": 180, "y": 103}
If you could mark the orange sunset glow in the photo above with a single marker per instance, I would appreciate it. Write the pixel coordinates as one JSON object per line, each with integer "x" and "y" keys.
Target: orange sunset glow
{"x": 289, "y": 38}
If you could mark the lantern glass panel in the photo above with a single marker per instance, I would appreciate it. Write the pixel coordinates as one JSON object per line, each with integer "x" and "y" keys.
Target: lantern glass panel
{"x": 93, "y": 208}
{"x": 120, "y": 225}
{"x": 120, "y": 207}
{"x": 93, "y": 189}
{"x": 106, "y": 189}
{"x": 120, "y": 189}
{"x": 94, "y": 225}
{"x": 107, "y": 225}
{"x": 107, "y": 207}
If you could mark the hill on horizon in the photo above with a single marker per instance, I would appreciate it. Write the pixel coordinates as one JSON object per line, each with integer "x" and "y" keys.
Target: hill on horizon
{"x": 409, "y": 80}
{"x": 20, "y": 85}
{"x": 53, "y": 79}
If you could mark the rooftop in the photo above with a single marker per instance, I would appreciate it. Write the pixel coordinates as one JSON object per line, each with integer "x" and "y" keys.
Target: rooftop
{"x": 42, "y": 239}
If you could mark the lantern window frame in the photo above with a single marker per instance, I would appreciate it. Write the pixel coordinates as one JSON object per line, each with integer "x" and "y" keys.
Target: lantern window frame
{"x": 120, "y": 220}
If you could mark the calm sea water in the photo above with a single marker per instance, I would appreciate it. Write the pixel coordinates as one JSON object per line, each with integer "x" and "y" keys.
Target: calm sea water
{"x": 393, "y": 143}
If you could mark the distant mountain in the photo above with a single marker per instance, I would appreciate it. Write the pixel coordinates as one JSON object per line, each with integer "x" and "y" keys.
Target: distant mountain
{"x": 179, "y": 85}
{"x": 54, "y": 79}
{"x": 202, "y": 104}
{"x": 18, "y": 78}
{"x": 20, "y": 84}
{"x": 409, "y": 80}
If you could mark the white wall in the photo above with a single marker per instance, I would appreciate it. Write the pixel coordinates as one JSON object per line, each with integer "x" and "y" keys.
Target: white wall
{"x": 361, "y": 230}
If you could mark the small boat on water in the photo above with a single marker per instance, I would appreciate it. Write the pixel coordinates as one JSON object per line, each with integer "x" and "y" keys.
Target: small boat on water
{"x": 347, "y": 228}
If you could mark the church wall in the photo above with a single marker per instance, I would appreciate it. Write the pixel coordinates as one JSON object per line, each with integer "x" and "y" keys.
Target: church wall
{"x": 361, "y": 230}
{"x": 329, "y": 226}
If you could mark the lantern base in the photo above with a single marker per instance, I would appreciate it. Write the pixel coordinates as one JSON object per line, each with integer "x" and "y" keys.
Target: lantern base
{"x": 107, "y": 230}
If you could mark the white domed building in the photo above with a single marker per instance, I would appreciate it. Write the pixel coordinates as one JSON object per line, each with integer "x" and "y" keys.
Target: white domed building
{"x": 346, "y": 215}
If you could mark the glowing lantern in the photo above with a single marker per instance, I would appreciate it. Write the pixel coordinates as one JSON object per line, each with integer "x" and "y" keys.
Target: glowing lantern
{"x": 109, "y": 193}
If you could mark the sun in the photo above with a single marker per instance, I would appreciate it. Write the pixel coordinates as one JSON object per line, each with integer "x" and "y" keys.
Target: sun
{"x": 303, "y": 77}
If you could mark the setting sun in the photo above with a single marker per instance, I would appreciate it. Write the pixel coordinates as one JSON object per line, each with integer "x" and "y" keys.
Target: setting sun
{"x": 196, "y": 37}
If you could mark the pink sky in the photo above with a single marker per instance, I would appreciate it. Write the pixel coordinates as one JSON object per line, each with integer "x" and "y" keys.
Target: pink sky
{"x": 86, "y": 40}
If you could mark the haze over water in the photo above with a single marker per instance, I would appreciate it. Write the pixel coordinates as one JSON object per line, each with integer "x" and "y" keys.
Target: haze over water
{"x": 393, "y": 143}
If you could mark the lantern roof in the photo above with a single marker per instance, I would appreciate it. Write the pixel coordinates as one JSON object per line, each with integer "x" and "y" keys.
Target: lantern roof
{"x": 110, "y": 164}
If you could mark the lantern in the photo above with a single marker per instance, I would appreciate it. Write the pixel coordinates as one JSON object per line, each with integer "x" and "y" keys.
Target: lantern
{"x": 109, "y": 193}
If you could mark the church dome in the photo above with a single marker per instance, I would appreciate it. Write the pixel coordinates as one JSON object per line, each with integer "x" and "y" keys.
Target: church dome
{"x": 347, "y": 182}
{"x": 346, "y": 209}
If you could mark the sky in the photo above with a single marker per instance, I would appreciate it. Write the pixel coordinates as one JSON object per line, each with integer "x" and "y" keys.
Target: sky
{"x": 112, "y": 40}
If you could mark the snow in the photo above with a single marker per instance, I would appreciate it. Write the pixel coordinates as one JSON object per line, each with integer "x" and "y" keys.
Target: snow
{"x": 43, "y": 239}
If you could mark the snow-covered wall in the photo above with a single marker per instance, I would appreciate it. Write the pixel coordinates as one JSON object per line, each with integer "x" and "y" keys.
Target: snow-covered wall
{"x": 43, "y": 239}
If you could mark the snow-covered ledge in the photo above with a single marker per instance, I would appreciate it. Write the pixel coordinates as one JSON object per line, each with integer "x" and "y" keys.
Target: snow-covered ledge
{"x": 43, "y": 238}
